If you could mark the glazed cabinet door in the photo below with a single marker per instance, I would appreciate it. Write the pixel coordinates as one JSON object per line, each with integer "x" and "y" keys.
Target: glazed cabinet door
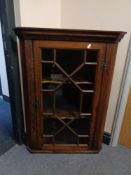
{"x": 68, "y": 78}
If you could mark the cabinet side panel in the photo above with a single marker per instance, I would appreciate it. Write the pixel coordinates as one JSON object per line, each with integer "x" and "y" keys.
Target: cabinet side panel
{"x": 38, "y": 81}
{"x": 29, "y": 91}
{"x": 105, "y": 93}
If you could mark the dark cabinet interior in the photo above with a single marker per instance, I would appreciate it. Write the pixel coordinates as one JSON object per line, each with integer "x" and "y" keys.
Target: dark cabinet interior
{"x": 66, "y": 81}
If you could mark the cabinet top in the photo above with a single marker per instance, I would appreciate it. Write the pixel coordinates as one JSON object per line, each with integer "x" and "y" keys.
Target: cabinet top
{"x": 30, "y": 33}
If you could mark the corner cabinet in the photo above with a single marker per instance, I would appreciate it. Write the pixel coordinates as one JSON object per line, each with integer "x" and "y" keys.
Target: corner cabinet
{"x": 67, "y": 77}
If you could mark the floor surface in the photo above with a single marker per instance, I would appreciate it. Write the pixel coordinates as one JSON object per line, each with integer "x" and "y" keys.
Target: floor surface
{"x": 110, "y": 161}
{"x": 6, "y": 136}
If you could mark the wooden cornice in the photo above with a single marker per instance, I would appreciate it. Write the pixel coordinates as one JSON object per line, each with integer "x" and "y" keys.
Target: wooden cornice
{"x": 29, "y": 33}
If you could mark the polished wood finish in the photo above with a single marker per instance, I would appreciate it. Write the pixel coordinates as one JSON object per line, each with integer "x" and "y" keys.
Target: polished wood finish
{"x": 32, "y": 40}
{"x": 69, "y": 34}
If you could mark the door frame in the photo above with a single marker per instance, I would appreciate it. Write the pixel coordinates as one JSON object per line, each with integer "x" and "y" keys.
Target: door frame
{"x": 7, "y": 18}
{"x": 122, "y": 100}
{"x": 37, "y": 69}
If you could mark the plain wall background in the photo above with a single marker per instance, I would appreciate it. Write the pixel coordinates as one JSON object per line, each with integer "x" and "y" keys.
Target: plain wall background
{"x": 82, "y": 14}
{"x": 40, "y": 13}
{"x": 3, "y": 74}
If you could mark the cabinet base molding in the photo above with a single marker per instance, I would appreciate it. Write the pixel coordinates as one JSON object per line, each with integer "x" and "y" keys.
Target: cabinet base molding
{"x": 63, "y": 151}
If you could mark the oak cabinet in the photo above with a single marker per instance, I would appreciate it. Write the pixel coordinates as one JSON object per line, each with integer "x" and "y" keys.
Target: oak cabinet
{"x": 67, "y": 77}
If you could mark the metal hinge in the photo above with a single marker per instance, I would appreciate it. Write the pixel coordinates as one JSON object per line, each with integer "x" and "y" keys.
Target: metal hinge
{"x": 36, "y": 104}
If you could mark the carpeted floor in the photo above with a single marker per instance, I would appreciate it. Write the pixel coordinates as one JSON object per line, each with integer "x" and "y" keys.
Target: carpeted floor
{"x": 6, "y": 141}
{"x": 110, "y": 161}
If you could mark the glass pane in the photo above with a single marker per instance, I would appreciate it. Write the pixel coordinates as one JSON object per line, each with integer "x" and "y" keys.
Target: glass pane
{"x": 67, "y": 101}
{"x": 69, "y": 60}
{"x": 51, "y": 72}
{"x": 92, "y": 55}
{"x": 86, "y": 74}
{"x": 81, "y": 126}
{"x": 87, "y": 103}
{"x": 47, "y": 54}
{"x": 47, "y": 102}
{"x": 49, "y": 85}
{"x": 83, "y": 140}
{"x": 86, "y": 85}
{"x": 66, "y": 137}
{"x": 50, "y": 126}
